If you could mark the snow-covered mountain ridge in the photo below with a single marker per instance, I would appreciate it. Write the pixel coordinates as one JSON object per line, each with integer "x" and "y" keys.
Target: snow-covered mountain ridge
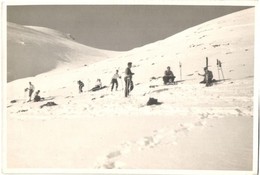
{"x": 229, "y": 39}
{"x": 33, "y": 50}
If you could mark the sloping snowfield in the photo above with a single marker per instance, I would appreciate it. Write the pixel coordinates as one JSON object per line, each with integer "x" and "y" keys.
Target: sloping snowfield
{"x": 33, "y": 50}
{"x": 195, "y": 127}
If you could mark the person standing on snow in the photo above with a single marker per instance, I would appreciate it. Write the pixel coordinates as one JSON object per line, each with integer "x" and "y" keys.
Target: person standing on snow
{"x": 114, "y": 80}
{"x": 31, "y": 90}
{"x": 129, "y": 86}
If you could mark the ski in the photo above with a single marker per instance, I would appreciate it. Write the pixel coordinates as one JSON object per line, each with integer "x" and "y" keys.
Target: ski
{"x": 206, "y": 73}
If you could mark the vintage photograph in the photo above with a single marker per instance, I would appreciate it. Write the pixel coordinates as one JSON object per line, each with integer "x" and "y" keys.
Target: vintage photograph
{"x": 130, "y": 87}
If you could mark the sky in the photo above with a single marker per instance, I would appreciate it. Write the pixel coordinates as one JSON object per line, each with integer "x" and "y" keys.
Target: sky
{"x": 117, "y": 27}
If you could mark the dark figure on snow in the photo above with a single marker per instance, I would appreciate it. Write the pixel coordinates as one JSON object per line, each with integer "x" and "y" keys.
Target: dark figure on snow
{"x": 114, "y": 80}
{"x": 129, "y": 86}
{"x": 168, "y": 76}
{"x": 97, "y": 86}
{"x": 31, "y": 90}
{"x": 207, "y": 75}
{"x": 37, "y": 97}
{"x": 81, "y": 85}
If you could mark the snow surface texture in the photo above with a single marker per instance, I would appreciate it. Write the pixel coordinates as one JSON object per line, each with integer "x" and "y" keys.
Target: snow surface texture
{"x": 195, "y": 127}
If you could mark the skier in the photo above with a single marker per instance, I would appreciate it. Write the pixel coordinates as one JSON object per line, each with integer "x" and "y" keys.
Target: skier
{"x": 31, "y": 90}
{"x": 114, "y": 80}
{"x": 81, "y": 85}
{"x": 208, "y": 74}
{"x": 97, "y": 86}
{"x": 129, "y": 86}
{"x": 168, "y": 76}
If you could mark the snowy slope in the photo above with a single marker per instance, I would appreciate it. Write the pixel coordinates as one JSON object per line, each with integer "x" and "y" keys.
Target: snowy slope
{"x": 33, "y": 50}
{"x": 52, "y": 32}
{"x": 195, "y": 127}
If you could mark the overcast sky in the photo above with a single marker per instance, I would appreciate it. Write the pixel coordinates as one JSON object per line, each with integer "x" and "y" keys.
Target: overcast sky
{"x": 118, "y": 28}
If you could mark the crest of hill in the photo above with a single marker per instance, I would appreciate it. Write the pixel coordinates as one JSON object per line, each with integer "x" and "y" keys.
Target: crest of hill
{"x": 52, "y": 32}
{"x": 35, "y": 50}
{"x": 229, "y": 39}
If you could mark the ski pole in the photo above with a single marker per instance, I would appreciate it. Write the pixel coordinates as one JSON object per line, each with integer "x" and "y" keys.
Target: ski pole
{"x": 126, "y": 87}
{"x": 206, "y": 76}
{"x": 218, "y": 69}
{"x": 180, "y": 70}
{"x": 220, "y": 65}
{"x": 222, "y": 74}
{"x": 120, "y": 77}
{"x": 122, "y": 83}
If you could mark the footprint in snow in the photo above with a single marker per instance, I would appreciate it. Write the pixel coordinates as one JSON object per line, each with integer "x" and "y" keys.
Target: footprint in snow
{"x": 110, "y": 162}
{"x": 113, "y": 154}
{"x": 69, "y": 97}
{"x": 23, "y": 110}
{"x": 164, "y": 136}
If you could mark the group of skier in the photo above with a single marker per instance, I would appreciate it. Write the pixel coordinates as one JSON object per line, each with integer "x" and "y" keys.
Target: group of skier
{"x": 114, "y": 81}
{"x": 168, "y": 78}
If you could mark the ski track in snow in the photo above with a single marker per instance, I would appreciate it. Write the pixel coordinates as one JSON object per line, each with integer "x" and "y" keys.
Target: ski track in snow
{"x": 161, "y": 136}
{"x": 165, "y": 136}
{"x": 170, "y": 135}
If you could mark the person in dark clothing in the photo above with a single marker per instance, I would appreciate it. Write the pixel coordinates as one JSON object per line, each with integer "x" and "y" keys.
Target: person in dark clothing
{"x": 168, "y": 76}
{"x": 129, "y": 86}
{"x": 114, "y": 80}
{"x": 208, "y": 74}
{"x": 81, "y": 85}
{"x": 37, "y": 97}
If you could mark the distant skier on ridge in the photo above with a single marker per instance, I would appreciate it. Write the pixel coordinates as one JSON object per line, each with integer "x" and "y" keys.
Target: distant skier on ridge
{"x": 129, "y": 86}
